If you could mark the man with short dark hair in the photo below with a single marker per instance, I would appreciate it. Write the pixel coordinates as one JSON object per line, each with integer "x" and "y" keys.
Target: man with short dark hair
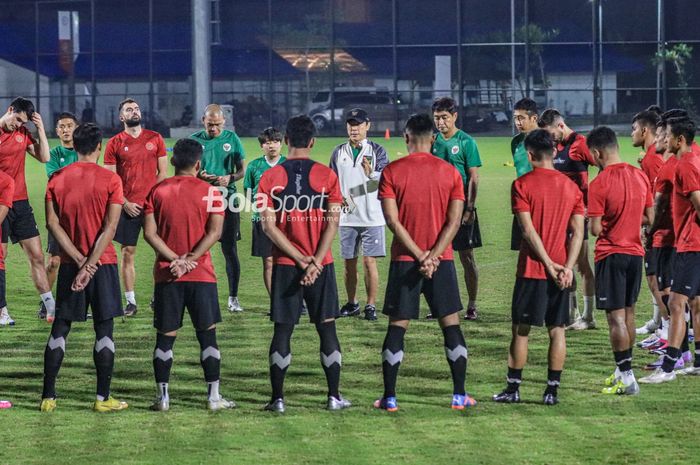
{"x": 223, "y": 163}
{"x": 60, "y": 156}
{"x": 83, "y": 204}
{"x": 424, "y": 213}
{"x": 300, "y": 203}
{"x": 358, "y": 164}
{"x": 525, "y": 119}
{"x": 181, "y": 224}
{"x": 685, "y": 283}
{"x": 138, "y": 156}
{"x": 573, "y": 159}
{"x": 270, "y": 140}
{"x": 19, "y": 224}
{"x": 619, "y": 203}
{"x": 460, "y": 150}
{"x": 547, "y": 204}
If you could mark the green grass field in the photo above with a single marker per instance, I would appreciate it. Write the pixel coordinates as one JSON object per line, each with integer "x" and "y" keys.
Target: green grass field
{"x": 655, "y": 427}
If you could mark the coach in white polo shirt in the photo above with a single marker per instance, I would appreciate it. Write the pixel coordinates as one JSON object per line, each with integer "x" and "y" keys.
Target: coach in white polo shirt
{"x": 358, "y": 164}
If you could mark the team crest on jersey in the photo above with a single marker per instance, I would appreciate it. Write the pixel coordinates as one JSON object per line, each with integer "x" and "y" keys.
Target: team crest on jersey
{"x": 126, "y": 149}
{"x": 227, "y": 147}
{"x": 19, "y": 138}
{"x": 150, "y": 146}
{"x": 455, "y": 150}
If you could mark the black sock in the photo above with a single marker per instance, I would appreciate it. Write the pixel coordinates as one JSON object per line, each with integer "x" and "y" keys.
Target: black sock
{"x": 685, "y": 347}
{"x": 163, "y": 358}
{"x": 392, "y": 355}
{"x": 456, "y": 352}
{"x": 103, "y": 355}
{"x": 514, "y": 378}
{"x": 696, "y": 363}
{"x": 670, "y": 359}
{"x": 53, "y": 356}
{"x": 210, "y": 355}
{"x": 280, "y": 357}
{"x": 331, "y": 358}
{"x": 623, "y": 360}
{"x": 233, "y": 265}
{"x": 553, "y": 380}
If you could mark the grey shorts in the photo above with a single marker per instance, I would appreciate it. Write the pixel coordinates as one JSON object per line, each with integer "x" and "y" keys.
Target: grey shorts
{"x": 372, "y": 239}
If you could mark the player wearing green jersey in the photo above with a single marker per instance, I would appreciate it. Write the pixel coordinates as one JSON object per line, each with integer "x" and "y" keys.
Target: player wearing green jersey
{"x": 271, "y": 143}
{"x": 60, "y": 156}
{"x": 222, "y": 165}
{"x": 459, "y": 149}
{"x": 525, "y": 120}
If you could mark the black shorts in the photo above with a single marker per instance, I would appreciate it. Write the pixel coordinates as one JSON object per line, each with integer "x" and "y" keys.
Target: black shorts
{"x": 686, "y": 274}
{"x": 288, "y": 295}
{"x": 52, "y": 246}
{"x": 170, "y": 300}
{"x": 651, "y": 258}
{"x": 19, "y": 224}
{"x": 664, "y": 266}
{"x": 102, "y": 294}
{"x": 3, "y": 296}
{"x": 405, "y": 285}
{"x": 262, "y": 245}
{"x": 516, "y": 234}
{"x": 618, "y": 278}
{"x": 468, "y": 235}
{"x": 538, "y": 302}
{"x": 128, "y": 229}
{"x": 231, "y": 231}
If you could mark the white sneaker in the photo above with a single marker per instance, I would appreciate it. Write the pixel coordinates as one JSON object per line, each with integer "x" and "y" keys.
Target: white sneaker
{"x": 648, "y": 327}
{"x": 581, "y": 324}
{"x": 220, "y": 404}
{"x": 693, "y": 371}
{"x": 658, "y": 376}
{"x": 234, "y": 305}
{"x": 5, "y": 318}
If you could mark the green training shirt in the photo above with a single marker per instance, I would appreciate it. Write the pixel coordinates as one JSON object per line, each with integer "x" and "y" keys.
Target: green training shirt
{"x": 58, "y": 158}
{"x": 253, "y": 173}
{"x": 221, "y": 154}
{"x": 520, "y": 160}
{"x": 460, "y": 151}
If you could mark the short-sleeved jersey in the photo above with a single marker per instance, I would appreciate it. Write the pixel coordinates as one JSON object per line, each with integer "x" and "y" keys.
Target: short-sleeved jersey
{"x": 180, "y": 208}
{"x": 221, "y": 154}
{"x": 460, "y": 151}
{"x": 60, "y": 157}
{"x": 651, "y": 164}
{"x": 253, "y": 173}
{"x": 573, "y": 159}
{"x": 520, "y": 159}
{"x": 81, "y": 194}
{"x": 300, "y": 191}
{"x": 7, "y": 192}
{"x": 664, "y": 235}
{"x": 551, "y": 199}
{"x": 423, "y": 187}
{"x": 619, "y": 195}
{"x": 13, "y": 154}
{"x": 685, "y": 219}
{"x": 136, "y": 159}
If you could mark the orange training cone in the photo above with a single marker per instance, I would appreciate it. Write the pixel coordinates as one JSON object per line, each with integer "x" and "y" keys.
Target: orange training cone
{"x": 387, "y": 134}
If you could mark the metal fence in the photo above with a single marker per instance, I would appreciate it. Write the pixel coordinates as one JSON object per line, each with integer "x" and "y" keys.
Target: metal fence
{"x": 595, "y": 60}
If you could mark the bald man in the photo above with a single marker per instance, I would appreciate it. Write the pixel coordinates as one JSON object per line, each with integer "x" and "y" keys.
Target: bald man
{"x": 222, "y": 165}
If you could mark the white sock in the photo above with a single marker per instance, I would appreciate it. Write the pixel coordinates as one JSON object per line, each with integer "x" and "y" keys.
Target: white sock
{"x": 100, "y": 398}
{"x": 213, "y": 389}
{"x": 49, "y": 303}
{"x": 231, "y": 298}
{"x": 163, "y": 391}
{"x": 664, "y": 332}
{"x": 573, "y": 307}
{"x": 130, "y": 297}
{"x": 618, "y": 373}
{"x": 657, "y": 314}
{"x": 628, "y": 377}
{"x": 588, "y": 307}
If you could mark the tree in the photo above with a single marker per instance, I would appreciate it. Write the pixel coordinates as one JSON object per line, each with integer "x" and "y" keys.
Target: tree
{"x": 678, "y": 56}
